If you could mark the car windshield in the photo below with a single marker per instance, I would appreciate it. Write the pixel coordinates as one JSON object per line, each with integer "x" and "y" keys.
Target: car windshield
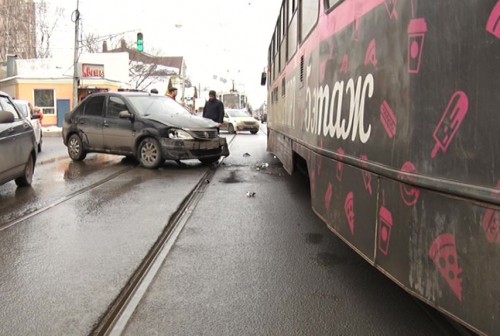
{"x": 23, "y": 108}
{"x": 157, "y": 105}
{"x": 237, "y": 113}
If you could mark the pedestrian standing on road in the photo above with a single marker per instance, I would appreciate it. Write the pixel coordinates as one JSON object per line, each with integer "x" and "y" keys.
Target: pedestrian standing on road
{"x": 172, "y": 92}
{"x": 38, "y": 111}
{"x": 214, "y": 109}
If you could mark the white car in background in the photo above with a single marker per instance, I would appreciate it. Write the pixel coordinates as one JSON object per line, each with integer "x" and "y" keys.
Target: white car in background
{"x": 24, "y": 108}
{"x": 236, "y": 120}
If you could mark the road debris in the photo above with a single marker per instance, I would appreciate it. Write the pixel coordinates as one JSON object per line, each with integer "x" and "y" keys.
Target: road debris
{"x": 250, "y": 193}
{"x": 262, "y": 166}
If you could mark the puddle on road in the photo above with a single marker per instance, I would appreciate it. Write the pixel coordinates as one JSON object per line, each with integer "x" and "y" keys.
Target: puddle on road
{"x": 233, "y": 178}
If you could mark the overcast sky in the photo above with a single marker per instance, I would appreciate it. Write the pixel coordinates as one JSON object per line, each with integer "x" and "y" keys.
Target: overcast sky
{"x": 225, "y": 38}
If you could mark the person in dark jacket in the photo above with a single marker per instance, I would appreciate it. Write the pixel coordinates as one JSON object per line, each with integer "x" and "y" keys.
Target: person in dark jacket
{"x": 214, "y": 109}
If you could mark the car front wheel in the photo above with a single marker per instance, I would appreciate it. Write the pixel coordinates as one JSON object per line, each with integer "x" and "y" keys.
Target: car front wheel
{"x": 149, "y": 153}
{"x": 75, "y": 148}
{"x": 27, "y": 178}
{"x": 254, "y": 131}
{"x": 230, "y": 129}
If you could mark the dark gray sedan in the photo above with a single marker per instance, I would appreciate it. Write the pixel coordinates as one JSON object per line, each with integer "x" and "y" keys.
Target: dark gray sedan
{"x": 147, "y": 127}
{"x": 17, "y": 145}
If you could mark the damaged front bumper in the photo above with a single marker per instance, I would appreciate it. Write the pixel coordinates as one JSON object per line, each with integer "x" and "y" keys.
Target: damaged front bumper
{"x": 174, "y": 149}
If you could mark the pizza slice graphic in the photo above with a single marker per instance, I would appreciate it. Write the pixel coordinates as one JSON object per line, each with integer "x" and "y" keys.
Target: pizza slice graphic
{"x": 443, "y": 253}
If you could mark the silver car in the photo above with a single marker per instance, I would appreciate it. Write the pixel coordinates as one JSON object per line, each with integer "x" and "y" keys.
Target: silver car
{"x": 17, "y": 144}
{"x": 25, "y": 109}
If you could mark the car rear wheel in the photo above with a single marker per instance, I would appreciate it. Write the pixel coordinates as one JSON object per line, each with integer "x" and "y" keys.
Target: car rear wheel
{"x": 75, "y": 148}
{"x": 254, "y": 131}
{"x": 209, "y": 159}
{"x": 150, "y": 153}
{"x": 230, "y": 129}
{"x": 27, "y": 178}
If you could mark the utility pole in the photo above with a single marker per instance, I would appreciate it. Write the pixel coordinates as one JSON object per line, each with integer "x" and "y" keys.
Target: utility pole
{"x": 76, "y": 18}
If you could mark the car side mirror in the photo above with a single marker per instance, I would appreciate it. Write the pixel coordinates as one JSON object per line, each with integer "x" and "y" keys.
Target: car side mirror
{"x": 35, "y": 116}
{"x": 6, "y": 117}
{"x": 263, "y": 78}
{"x": 126, "y": 115}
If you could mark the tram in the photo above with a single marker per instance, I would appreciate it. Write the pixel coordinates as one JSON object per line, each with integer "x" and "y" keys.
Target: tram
{"x": 392, "y": 107}
{"x": 234, "y": 100}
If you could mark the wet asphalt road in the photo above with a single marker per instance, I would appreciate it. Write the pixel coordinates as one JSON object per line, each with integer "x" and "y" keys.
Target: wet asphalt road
{"x": 262, "y": 265}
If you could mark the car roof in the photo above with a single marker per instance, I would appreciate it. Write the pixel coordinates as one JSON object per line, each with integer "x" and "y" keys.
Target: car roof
{"x": 233, "y": 109}
{"x": 125, "y": 93}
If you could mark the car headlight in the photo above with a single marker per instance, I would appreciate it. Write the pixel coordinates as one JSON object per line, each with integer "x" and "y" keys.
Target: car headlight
{"x": 179, "y": 134}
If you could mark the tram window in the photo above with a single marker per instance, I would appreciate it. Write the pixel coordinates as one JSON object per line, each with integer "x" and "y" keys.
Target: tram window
{"x": 332, "y": 3}
{"x": 278, "y": 31}
{"x": 309, "y": 15}
{"x": 283, "y": 21}
{"x": 292, "y": 35}
{"x": 292, "y": 6}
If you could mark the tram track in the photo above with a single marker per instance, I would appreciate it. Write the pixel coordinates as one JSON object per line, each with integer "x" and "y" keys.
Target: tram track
{"x": 66, "y": 198}
{"x": 115, "y": 320}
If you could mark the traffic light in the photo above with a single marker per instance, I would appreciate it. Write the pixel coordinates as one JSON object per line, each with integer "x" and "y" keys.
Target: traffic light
{"x": 140, "y": 42}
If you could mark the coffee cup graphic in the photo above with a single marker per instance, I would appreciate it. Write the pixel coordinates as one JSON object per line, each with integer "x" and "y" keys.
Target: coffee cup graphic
{"x": 349, "y": 210}
{"x": 384, "y": 232}
{"x": 416, "y": 37}
{"x": 493, "y": 25}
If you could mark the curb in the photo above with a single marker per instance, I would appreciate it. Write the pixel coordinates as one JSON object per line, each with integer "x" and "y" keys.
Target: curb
{"x": 52, "y": 160}
{"x": 51, "y": 134}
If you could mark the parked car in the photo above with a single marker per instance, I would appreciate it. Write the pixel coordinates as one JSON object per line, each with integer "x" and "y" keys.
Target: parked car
{"x": 34, "y": 118}
{"x": 148, "y": 127}
{"x": 17, "y": 144}
{"x": 239, "y": 120}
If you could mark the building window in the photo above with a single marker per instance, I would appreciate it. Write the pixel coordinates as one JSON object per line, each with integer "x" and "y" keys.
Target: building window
{"x": 44, "y": 99}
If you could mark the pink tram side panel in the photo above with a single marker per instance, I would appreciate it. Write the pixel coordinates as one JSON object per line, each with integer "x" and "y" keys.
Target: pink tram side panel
{"x": 402, "y": 96}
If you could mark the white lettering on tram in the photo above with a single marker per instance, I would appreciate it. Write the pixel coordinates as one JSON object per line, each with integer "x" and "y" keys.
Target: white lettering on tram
{"x": 323, "y": 114}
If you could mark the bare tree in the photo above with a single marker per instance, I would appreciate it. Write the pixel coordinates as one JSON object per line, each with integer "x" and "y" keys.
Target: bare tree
{"x": 93, "y": 43}
{"x": 27, "y": 27}
{"x": 144, "y": 71}
{"x": 45, "y": 27}
{"x": 17, "y": 22}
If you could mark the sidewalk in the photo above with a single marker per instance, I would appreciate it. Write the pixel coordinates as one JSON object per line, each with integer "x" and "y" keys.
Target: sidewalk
{"x": 51, "y": 131}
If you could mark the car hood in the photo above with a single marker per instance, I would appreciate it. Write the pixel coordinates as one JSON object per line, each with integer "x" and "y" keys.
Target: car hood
{"x": 183, "y": 121}
{"x": 244, "y": 118}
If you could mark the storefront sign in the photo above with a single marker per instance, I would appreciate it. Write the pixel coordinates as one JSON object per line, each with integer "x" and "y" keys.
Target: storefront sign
{"x": 92, "y": 70}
